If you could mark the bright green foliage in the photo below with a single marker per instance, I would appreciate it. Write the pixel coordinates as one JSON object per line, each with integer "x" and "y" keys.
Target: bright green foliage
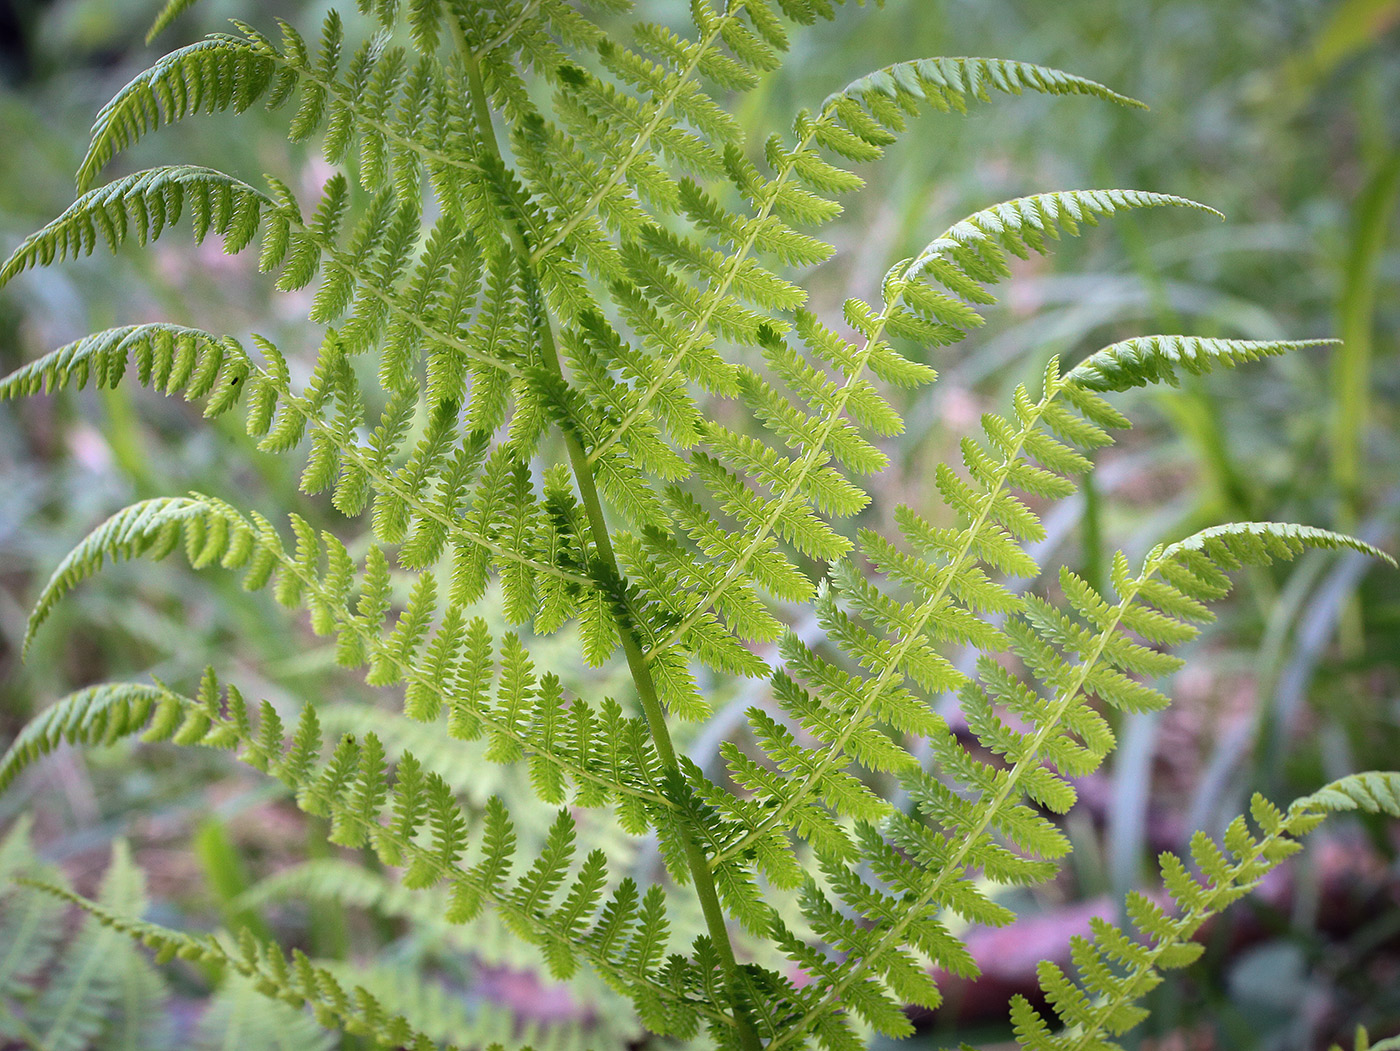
{"x": 1138, "y": 362}
{"x": 602, "y": 408}
{"x": 1117, "y": 968}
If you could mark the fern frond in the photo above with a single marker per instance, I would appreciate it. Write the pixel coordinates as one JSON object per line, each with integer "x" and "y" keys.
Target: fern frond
{"x": 1156, "y": 359}
{"x": 1116, "y": 969}
{"x": 1228, "y": 547}
{"x": 445, "y": 1015}
{"x": 98, "y": 715}
{"x": 168, "y": 358}
{"x": 143, "y": 205}
{"x": 945, "y": 82}
{"x": 175, "y": 358}
{"x": 595, "y": 270}
{"x": 1374, "y": 792}
{"x": 963, "y": 258}
{"x": 888, "y": 637}
{"x": 1021, "y": 225}
{"x": 80, "y": 996}
{"x": 604, "y": 754}
{"x": 369, "y": 803}
{"x": 152, "y": 525}
{"x": 1072, "y": 660}
{"x": 951, "y": 83}
{"x": 218, "y": 73}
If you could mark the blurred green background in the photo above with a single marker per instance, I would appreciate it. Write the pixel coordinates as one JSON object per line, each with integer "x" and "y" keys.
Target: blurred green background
{"x": 1284, "y": 114}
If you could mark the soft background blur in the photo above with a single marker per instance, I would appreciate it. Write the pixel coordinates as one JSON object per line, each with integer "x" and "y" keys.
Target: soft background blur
{"x": 1285, "y": 114}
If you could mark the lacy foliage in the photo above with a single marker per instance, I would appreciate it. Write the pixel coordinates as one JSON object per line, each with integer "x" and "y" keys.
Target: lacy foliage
{"x": 544, "y": 240}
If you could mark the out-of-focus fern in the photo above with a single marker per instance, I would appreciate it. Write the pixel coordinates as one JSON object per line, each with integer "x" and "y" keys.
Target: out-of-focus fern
{"x": 241, "y": 1016}
{"x": 73, "y": 993}
{"x": 1363, "y": 1042}
{"x": 559, "y": 256}
{"x": 92, "y": 989}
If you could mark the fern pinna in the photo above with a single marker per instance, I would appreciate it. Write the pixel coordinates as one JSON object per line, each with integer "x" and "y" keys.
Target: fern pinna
{"x": 557, "y": 255}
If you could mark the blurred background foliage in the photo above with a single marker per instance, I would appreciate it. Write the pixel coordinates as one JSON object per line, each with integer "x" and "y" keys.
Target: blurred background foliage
{"x": 1282, "y": 113}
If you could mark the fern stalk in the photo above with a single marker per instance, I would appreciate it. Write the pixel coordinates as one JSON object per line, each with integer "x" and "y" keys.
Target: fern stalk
{"x": 705, "y": 890}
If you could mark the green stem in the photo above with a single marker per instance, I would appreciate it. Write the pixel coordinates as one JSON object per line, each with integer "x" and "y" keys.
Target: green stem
{"x": 696, "y": 860}
{"x": 1351, "y": 382}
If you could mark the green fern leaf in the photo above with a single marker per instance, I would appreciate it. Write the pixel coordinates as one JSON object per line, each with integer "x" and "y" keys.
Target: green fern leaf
{"x": 143, "y": 205}
{"x": 1156, "y": 359}
{"x": 215, "y": 74}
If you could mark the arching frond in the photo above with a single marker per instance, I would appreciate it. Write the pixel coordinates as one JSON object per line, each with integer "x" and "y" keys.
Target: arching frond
{"x": 218, "y": 73}
{"x": 1071, "y": 657}
{"x": 1157, "y": 359}
{"x": 960, "y": 261}
{"x": 98, "y": 715}
{"x": 950, "y": 83}
{"x": 143, "y": 205}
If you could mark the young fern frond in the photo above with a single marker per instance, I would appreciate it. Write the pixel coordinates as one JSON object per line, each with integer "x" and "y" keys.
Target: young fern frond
{"x": 561, "y": 240}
